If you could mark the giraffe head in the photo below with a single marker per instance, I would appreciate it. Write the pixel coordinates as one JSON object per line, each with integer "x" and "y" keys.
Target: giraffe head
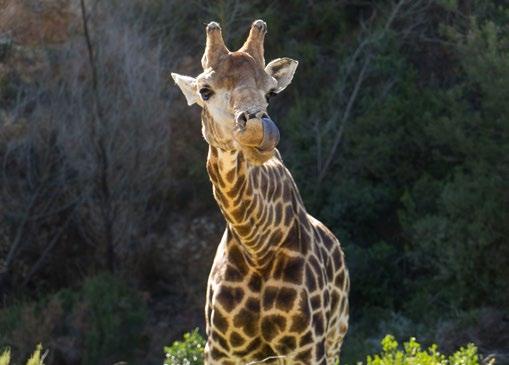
{"x": 234, "y": 90}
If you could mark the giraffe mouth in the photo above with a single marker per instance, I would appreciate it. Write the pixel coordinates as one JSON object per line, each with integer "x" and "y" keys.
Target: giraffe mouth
{"x": 259, "y": 134}
{"x": 270, "y": 135}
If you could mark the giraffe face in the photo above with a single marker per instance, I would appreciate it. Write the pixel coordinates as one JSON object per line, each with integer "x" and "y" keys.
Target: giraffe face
{"x": 233, "y": 91}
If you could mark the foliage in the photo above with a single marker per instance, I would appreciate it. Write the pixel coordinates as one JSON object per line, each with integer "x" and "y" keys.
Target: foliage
{"x": 420, "y": 148}
{"x": 5, "y": 357}
{"x": 413, "y": 354}
{"x": 189, "y": 351}
{"x": 105, "y": 318}
{"x": 115, "y": 319}
{"x": 36, "y": 359}
{"x": 395, "y": 130}
{"x": 460, "y": 249}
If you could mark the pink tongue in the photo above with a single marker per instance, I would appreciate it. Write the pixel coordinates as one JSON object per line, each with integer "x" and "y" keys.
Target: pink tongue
{"x": 270, "y": 135}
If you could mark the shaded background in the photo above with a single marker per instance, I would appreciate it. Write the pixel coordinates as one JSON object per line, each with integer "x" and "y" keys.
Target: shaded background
{"x": 395, "y": 129}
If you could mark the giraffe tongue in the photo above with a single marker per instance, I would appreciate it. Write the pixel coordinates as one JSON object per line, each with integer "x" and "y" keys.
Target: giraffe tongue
{"x": 270, "y": 135}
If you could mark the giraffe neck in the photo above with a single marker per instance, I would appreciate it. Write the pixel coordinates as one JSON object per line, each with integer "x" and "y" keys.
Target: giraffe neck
{"x": 259, "y": 203}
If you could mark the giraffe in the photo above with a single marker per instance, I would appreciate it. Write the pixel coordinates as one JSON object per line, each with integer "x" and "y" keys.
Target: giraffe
{"x": 278, "y": 288}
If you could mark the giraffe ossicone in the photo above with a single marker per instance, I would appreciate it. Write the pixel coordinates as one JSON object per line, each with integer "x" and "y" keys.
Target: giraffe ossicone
{"x": 278, "y": 287}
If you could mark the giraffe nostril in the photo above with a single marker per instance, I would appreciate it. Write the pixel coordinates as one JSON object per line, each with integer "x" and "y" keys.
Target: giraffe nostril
{"x": 241, "y": 119}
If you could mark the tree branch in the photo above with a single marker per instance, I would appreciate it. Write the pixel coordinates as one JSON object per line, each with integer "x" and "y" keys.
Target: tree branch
{"x": 344, "y": 119}
{"x": 48, "y": 249}
{"x": 100, "y": 150}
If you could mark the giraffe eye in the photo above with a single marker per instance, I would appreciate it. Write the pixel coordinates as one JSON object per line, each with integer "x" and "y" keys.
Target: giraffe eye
{"x": 206, "y": 93}
{"x": 269, "y": 95}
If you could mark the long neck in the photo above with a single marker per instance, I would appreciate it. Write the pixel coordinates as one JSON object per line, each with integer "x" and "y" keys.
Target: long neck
{"x": 260, "y": 203}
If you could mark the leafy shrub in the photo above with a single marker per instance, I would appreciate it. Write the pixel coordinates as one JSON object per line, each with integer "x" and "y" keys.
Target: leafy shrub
{"x": 186, "y": 352}
{"x": 190, "y": 352}
{"x": 103, "y": 321}
{"x": 413, "y": 354}
{"x": 5, "y": 357}
{"x": 24, "y": 325}
{"x": 36, "y": 359}
{"x": 115, "y": 317}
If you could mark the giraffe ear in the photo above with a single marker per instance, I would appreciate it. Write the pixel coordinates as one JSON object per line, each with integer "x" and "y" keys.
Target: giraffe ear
{"x": 188, "y": 86}
{"x": 282, "y": 69}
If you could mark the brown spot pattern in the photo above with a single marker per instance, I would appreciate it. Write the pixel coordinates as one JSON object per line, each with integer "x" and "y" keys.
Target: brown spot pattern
{"x": 283, "y": 281}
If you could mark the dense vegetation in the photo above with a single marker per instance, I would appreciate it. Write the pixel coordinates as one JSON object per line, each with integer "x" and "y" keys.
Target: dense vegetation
{"x": 37, "y": 357}
{"x": 190, "y": 352}
{"x": 395, "y": 128}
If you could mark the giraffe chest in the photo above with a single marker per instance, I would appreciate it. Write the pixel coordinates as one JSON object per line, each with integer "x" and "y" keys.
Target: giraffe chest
{"x": 250, "y": 314}
{"x": 297, "y": 307}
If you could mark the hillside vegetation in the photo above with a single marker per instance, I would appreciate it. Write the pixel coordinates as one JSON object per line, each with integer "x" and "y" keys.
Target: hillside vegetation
{"x": 395, "y": 129}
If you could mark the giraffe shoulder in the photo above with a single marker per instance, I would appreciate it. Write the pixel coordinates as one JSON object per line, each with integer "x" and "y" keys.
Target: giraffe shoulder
{"x": 324, "y": 234}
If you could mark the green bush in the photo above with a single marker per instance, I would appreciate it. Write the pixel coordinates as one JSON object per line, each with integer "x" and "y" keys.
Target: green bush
{"x": 5, "y": 357}
{"x": 116, "y": 314}
{"x": 413, "y": 354}
{"x": 104, "y": 321}
{"x": 186, "y": 352}
{"x": 36, "y": 359}
{"x": 190, "y": 352}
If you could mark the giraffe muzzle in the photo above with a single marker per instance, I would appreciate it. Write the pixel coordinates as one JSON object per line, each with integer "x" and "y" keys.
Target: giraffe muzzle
{"x": 256, "y": 132}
